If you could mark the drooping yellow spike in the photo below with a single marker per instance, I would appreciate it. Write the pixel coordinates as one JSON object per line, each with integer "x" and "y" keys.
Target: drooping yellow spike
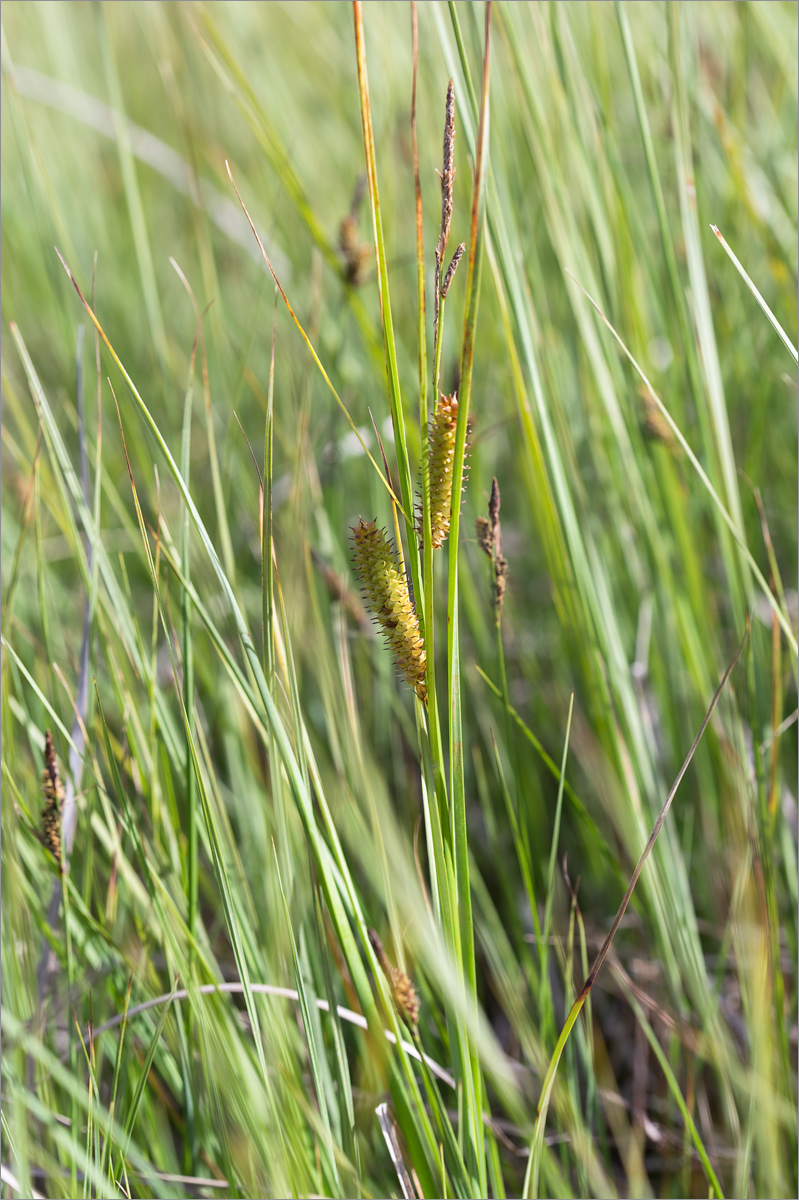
{"x": 387, "y": 597}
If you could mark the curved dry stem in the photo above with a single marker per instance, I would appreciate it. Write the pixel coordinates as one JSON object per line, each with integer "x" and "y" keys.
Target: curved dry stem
{"x": 235, "y": 987}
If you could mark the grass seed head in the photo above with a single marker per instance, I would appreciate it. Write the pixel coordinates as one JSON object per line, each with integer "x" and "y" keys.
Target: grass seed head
{"x": 500, "y": 582}
{"x": 489, "y": 536}
{"x": 403, "y": 993}
{"x": 447, "y": 174}
{"x": 654, "y": 425}
{"x": 448, "y": 170}
{"x": 483, "y": 528}
{"x": 53, "y": 789}
{"x": 451, "y": 269}
{"x": 441, "y": 464}
{"x": 357, "y": 255}
{"x": 385, "y": 590}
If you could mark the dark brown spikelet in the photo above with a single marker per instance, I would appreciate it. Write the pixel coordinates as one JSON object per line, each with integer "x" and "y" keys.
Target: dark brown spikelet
{"x": 403, "y": 993}
{"x": 447, "y": 174}
{"x": 451, "y": 269}
{"x": 53, "y": 789}
{"x": 385, "y": 590}
{"x": 448, "y": 169}
{"x": 494, "y": 503}
{"x": 500, "y": 582}
{"x": 489, "y": 536}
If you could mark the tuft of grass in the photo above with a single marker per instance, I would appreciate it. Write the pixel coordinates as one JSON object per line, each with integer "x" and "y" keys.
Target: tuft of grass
{"x": 240, "y": 790}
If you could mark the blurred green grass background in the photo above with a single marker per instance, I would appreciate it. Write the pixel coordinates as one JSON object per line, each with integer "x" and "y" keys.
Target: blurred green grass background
{"x": 625, "y": 585}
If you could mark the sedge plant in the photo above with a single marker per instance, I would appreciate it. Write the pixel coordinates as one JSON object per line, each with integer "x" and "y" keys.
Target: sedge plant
{"x": 291, "y": 911}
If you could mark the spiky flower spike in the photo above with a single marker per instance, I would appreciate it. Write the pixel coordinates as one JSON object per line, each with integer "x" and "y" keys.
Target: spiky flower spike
{"x": 440, "y": 466}
{"x": 403, "y": 993}
{"x": 385, "y": 590}
{"x": 53, "y": 790}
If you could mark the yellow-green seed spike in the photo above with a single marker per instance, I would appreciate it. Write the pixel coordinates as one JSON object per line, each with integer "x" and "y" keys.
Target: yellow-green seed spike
{"x": 386, "y": 593}
{"x": 440, "y": 464}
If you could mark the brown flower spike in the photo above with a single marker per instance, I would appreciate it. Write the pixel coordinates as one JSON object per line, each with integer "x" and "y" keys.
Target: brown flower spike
{"x": 403, "y": 993}
{"x": 447, "y": 174}
{"x": 53, "y": 790}
{"x": 654, "y": 425}
{"x": 357, "y": 255}
{"x": 451, "y": 269}
{"x": 385, "y": 590}
{"x": 489, "y": 535}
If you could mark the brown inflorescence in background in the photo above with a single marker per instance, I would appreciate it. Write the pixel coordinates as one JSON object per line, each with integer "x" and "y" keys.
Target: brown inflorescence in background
{"x": 403, "y": 993}
{"x": 654, "y": 425}
{"x": 357, "y": 255}
{"x": 447, "y": 174}
{"x": 489, "y": 536}
{"x": 338, "y": 590}
{"x": 53, "y": 789}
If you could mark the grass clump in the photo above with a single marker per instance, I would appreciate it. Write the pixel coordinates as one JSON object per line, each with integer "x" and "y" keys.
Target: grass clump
{"x": 239, "y": 790}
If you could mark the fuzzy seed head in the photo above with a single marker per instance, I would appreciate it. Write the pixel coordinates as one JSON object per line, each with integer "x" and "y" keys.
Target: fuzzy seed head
{"x": 403, "y": 993}
{"x": 405, "y": 996}
{"x": 356, "y": 254}
{"x": 654, "y": 425}
{"x": 53, "y": 790}
{"x": 441, "y": 464}
{"x": 385, "y": 590}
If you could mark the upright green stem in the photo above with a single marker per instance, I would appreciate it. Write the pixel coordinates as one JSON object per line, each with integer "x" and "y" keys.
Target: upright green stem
{"x": 73, "y": 1049}
{"x": 471, "y": 1075}
{"x": 476, "y": 245}
{"x": 190, "y": 1145}
{"x": 437, "y": 352}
